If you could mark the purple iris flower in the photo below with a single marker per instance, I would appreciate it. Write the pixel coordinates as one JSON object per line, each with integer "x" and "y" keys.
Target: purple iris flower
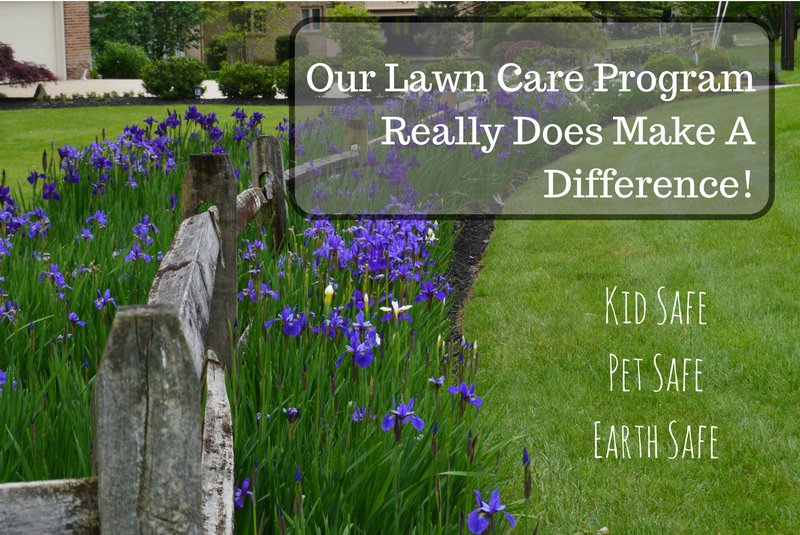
{"x": 137, "y": 254}
{"x": 240, "y": 493}
{"x": 56, "y": 276}
{"x": 34, "y": 177}
{"x": 428, "y": 290}
{"x": 467, "y": 393}
{"x": 99, "y": 216}
{"x": 292, "y": 414}
{"x": 361, "y": 351}
{"x": 37, "y": 229}
{"x": 144, "y": 226}
{"x": 398, "y": 417}
{"x": 360, "y": 414}
{"x": 173, "y": 200}
{"x": 104, "y": 299}
{"x": 293, "y": 323}
{"x": 357, "y": 300}
{"x": 482, "y": 517}
{"x": 298, "y": 476}
{"x": 437, "y": 382}
{"x": 85, "y": 235}
{"x": 526, "y": 461}
{"x": 76, "y": 320}
{"x": 49, "y": 192}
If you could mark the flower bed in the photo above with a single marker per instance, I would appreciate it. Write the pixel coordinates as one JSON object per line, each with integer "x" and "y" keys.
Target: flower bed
{"x": 350, "y": 406}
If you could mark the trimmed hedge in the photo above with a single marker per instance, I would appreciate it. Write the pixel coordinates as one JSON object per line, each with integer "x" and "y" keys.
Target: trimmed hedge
{"x": 122, "y": 60}
{"x": 668, "y": 62}
{"x": 246, "y": 80}
{"x": 716, "y": 60}
{"x": 173, "y": 78}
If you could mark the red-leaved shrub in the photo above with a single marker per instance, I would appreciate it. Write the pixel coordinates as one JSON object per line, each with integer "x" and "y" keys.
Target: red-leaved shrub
{"x": 23, "y": 73}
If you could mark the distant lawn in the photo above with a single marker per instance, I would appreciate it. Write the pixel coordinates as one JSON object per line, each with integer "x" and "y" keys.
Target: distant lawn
{"x": 26, "y": 133}
{"x": 538, "y": 312}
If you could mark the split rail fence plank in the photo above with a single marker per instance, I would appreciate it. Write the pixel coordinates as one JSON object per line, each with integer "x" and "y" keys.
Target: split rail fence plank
{"x": 217, "y": 454}
{"x": 56, "y": 507}
{"x": 186, "y": 277}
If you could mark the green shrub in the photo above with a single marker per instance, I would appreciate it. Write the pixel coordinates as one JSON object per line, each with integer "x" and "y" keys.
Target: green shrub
{"x": 635, "y": 56}
{"x": 121, "y": 60}
{"x": 283, "y": 47}
{"x": 377, "y": 63}
{"x": 285, "y": 76}
{"x": 447, "y": 66}
{"x": 561, "y": 57}
{"x": 173, "y": 78}
{"x": 716, "y": 60}
{"x": 484, "y": 47}
{"x": 726, "y": 41}
{"x": 667, "y": 62}
{"x": 246, "y": 80}
{"x": 216, "y": 54}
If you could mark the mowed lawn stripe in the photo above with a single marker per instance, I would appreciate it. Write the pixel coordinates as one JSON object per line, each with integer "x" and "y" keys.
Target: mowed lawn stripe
{"x": 538, "y": 309}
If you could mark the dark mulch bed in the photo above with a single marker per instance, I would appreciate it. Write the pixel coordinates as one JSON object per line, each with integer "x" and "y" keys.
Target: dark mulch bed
{"x": 30, "y": 103}
{"x": 471, "y": 244}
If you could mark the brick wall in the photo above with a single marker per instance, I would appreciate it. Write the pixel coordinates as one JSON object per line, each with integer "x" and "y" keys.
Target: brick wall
{"x": 76, "y": 39}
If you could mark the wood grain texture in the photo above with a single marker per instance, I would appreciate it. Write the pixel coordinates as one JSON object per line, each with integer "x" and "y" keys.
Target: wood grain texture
{"x": 217, "y": 464}
{"x": 186, "y": 278}
{"x": 249, "y": 204}
{"x": 57, "y": 507}
{"x": 148, "y": 426}
{"x": 210, "y": 178}
{"x": 266, "y": 158}
{"x": 355, "y": 133}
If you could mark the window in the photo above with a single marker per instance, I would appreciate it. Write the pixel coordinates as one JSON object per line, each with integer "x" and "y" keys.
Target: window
{"x": 257, "y": 18}
{"x": 313, "y": 13}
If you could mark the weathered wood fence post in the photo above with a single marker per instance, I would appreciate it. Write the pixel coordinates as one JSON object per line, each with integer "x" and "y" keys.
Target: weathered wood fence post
{"x": 210, "y": 179}
{"x": 148, "y": 426}
{"x": 355, "y": 133}
{"x": 408, "y": 108}
{"x": 266, "y": 157}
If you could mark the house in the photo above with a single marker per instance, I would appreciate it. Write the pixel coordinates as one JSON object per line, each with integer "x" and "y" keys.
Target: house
{"x": 55, "y": 34}
{"x": 264, "y": 33}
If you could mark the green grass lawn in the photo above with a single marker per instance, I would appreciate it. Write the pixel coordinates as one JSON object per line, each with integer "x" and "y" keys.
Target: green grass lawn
{"x": 538, "y": 310}
{"x": 26, "y": 133}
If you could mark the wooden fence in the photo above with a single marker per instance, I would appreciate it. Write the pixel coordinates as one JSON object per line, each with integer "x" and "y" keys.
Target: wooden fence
{"x": 161, "y": 466}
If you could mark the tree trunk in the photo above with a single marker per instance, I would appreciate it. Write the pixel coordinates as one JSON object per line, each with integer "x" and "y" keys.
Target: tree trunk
{"x": 787, "y": 43}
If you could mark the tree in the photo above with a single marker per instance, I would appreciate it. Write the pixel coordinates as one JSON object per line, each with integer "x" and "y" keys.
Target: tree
{"x": 556, "y": 33}
{"x": 766, "y": 12}
{"x": 243, "y": 26}
{"x": 451, "y": 24}
{"x": 23, "y": 73}
{"x": 366, "y": 41}
{"x": 160, "y": 28}
{"x": 626, "y": 10}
